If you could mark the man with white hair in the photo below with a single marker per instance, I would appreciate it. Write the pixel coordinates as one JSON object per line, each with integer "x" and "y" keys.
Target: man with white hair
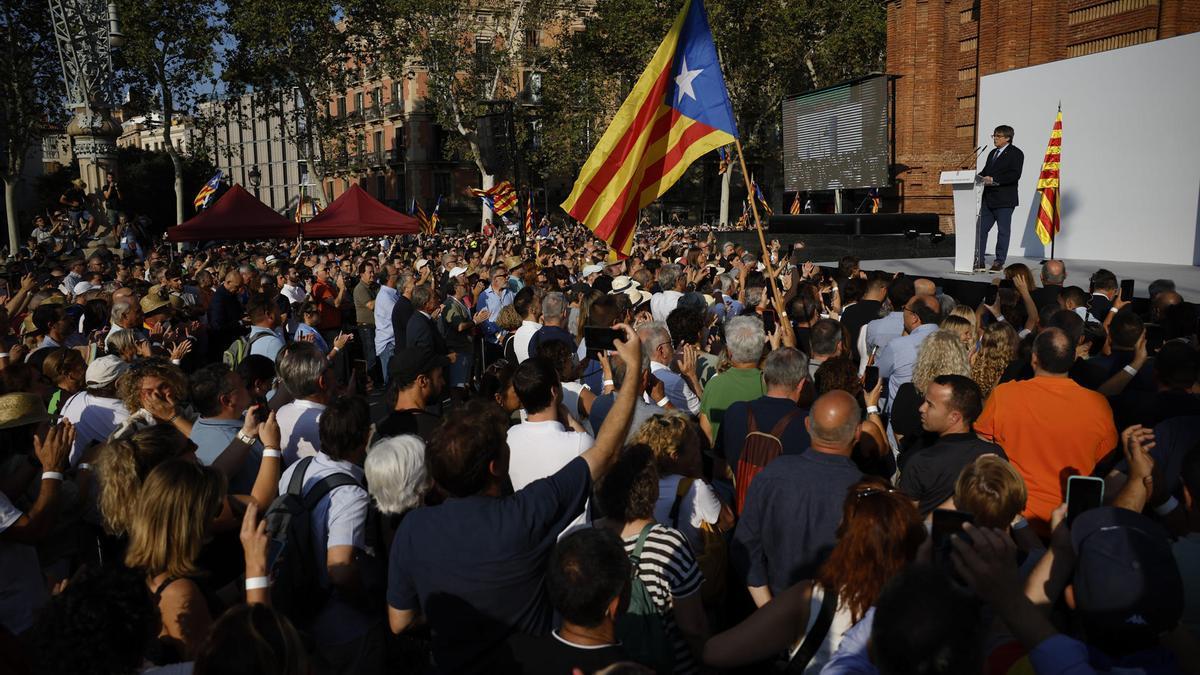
{"x": 656, "y": 341}
{"x": 308, "y": 375}
{"x": 744, "y": 340}
{"x": 125, "y": 315}
{"x": 671, "y": 282}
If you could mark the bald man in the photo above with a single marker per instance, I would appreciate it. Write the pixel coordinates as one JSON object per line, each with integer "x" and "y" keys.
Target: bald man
{"x": 225, "y": 313}
{"x": 789, "y": 523}
{"x": 896, "y": 360}
{"x": 925, "y": 287}
{"x": 1054, "y": 274}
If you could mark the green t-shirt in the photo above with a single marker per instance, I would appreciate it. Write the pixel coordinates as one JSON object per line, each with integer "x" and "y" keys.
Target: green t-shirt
{"x": 725, "y": 389}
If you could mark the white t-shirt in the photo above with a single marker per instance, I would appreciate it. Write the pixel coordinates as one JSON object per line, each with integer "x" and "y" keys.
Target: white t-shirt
{"x": 522, "y": 337}
{"x": 298, "y": 426}
{"x": 22, "y": 589}
{"x": 662, "y": 303}
{"x": 699, "y": 505}
{"x": 539, "y": 449}
{"x": 95, "y": 418}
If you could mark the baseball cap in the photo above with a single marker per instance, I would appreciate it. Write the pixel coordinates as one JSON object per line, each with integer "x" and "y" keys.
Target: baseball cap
{"x": 105, "y": 370}
{"x": 457, "y": 271}
{"x": 1127, "y": 583}
{"x": 406, "y": 365}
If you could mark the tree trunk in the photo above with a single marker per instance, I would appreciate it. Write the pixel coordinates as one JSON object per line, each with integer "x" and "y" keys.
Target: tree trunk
{"x": 314, "y": 149}
{"x": 487, "y": 180}
{"x": 725, "y": 180}
{"x": 168, "y": 104}
{"x": 10, "y": 212}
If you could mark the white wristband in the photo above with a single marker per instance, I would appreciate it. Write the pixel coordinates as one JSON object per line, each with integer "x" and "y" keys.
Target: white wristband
{"x": 1131, "y": 370}
{"x": 52, "y": 475}
{"x": 3, "y": 355}
{"x": 248, "y": 440}
{"x": 609, "y": 383}
{"x": 84, "y": 466}
{"x": 255, "y": 583}
{"x": 662, "y": 402}
{"x": 1113, "y": 310}
{"x": 872, "y": 410}
{"x": 272, "y": 452}
{"x": 1166, "y": 507}
{"x": 1019, "y": 523}
{"x": 176, "y": 362}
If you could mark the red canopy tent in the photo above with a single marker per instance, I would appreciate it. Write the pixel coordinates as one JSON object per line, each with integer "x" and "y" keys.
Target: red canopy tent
{"x": 237, "y": 215}
{"x": 358, "y": 214}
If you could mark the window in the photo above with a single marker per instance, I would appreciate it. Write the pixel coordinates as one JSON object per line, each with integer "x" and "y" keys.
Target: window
{"x": 397, "y": 91}
{"x": 483, "y": 51}
{"x": 341, "y": 106}
{"x": 380, "y": 187}
{"x": 533, "y": 87}
{"x": 358, "y": 101}
{"x": 533, "y": 38}
{"x": 378, "y": 147}
{"x": 441, "y": 184}
{"x": 360, "y": 144}
{"x": 377, "y": 97}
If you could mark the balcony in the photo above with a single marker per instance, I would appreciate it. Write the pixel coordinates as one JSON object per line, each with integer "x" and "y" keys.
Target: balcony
{"x": 353, "y": 117}
{"x": 374, "y": 113}
{"x": 394, "y": 157}
{"x": 393, "y": 109}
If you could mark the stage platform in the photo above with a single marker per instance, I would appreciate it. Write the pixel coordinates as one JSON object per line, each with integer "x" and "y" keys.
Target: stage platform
{"x": 1186, "y": 277}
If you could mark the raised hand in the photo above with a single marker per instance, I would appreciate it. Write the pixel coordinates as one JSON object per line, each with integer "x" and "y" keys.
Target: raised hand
{"x": 180, "y": 350}
{"x": 53, "y": 449}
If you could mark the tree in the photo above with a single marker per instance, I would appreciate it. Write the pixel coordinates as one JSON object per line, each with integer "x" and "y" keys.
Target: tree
{"x": 309, "y": 47}
{"x": 169, "y": 49}
{"x": 470, "y": 51}
{"x": 30, "y": 91}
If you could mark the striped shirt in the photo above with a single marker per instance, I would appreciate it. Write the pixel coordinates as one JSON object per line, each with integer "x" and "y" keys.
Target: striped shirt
{"x": 669, "y": 570}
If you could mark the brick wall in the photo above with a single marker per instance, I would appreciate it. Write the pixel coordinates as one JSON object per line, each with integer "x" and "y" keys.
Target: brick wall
{"x": 940, "y": 49}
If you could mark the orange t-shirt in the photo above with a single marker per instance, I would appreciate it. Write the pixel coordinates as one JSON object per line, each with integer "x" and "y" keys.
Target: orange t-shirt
{"x": 331, "y": 317}
{"x": 1050, "y": 428}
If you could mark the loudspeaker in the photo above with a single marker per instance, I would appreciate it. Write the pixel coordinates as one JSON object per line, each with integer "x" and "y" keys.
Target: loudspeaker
{"x": 495, "y": 143}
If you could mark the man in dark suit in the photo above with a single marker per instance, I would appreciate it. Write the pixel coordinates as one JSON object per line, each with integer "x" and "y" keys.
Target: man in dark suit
{"x": 1104, "y": 290}
{"x": 1001, "y": 174}
{"x": 1054, "y": 274}
{"x": 422, "y": 331}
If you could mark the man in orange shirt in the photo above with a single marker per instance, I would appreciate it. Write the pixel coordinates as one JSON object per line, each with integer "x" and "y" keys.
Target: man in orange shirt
{"x": 1050, "y": 427}
{"x": 330, "y": 299}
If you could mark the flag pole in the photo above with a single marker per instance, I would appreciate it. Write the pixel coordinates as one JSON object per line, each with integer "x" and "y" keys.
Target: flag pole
{"x": 758, "y": 225}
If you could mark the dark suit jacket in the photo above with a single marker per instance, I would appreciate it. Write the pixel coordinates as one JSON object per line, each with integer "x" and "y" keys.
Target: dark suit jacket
{"x": 1099, "y": 305}
{"x": 1046, "y": 296}
{"x": 1005, "y": 170}
{"x": 401, "y": 313}
{"x": 422, "y": 333}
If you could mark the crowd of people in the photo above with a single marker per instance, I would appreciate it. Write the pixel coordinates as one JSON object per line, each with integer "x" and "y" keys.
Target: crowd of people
{"x": 495, "y": 454}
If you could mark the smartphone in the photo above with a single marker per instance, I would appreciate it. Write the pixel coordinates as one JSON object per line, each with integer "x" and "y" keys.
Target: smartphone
{"x": 769, "y": 322}
{"x": 1083, "y": 493}
{"x": 989, "y": 297}
{"x": 601, "y": 339}
{"x": 263, "y": 411}
{"x": 947, "y": 523}
{"x": 870, "y": 377}
{"x": 1127, "y": 289}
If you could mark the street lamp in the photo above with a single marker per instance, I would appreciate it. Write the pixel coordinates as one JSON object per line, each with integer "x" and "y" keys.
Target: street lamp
{"x": 255, "y": 177}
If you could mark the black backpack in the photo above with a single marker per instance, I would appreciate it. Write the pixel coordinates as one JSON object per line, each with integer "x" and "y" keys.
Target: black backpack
{"x": 292, "y": 558}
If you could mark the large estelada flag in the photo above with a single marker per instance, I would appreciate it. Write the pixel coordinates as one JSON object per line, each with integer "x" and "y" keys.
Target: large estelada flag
{"x": 678, "y": 111}
{"x": 1049, "y": 212}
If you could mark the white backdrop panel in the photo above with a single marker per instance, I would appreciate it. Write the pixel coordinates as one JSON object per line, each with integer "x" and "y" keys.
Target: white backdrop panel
{"x": 1130, "y": 150}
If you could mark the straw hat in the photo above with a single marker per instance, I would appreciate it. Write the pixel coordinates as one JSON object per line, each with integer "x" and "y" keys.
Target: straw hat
{"x": 512, "y": 262}
{"x": 20, "y": 409}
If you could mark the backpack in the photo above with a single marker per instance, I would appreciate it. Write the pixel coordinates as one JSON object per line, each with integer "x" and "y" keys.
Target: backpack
{"x": 758, "y": 450}
{"x": 292, "y": 557}
{"x": 640, "y": 629}
{"x": 239, "y": 349}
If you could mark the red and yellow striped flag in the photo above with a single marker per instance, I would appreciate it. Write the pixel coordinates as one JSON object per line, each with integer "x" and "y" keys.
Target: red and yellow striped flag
{"x": 1049, "y": 211}
{"x": 795, "y": 208}
{"x": 678, "y": 111}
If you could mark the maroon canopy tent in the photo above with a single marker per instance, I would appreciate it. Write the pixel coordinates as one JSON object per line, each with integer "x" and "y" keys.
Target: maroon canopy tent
{"x": 358, "y": 214}
{"x": 236, "y": 215}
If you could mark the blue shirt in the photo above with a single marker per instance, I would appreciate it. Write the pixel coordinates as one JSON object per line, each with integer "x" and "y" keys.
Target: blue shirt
{"x": 493, "y": 303}
{"x": 212, "y": 436}
{"x": 475, "y": 566}
{"x": 268, "y": 346}
{"x": 385, "y": 333}
{"x": 897, "y": 359}
{"x": 790, "y": 518}
{"x": 851, "y": 657}
{"x": 884, "y": 329}
{"x": 305, "y": 329}
{"x": 1063, "y": 655}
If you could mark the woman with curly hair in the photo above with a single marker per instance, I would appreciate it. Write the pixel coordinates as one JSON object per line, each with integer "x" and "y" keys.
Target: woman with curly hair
{"x": 685, "y": 501}
{"x": 877, "y": 538}
{"x": 997, "y": 349}
{"x": 942, "y": 353}
{"x": 151, "y": 391}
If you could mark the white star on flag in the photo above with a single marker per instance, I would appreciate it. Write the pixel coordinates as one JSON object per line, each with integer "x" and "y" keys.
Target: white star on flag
{"x": 684, "y": 81}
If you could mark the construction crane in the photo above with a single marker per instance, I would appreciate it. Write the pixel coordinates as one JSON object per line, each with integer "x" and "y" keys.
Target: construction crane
{"x": 87, "y": 32}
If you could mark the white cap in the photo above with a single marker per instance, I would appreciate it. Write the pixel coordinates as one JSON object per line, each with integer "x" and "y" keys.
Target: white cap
{"x": 105, "y": 370}
{"x": 421, "y": 262}
{"x": 83, "y": 287}
{"x": 457, "y": 271}
{"x": 590, "y": 270}
{"x": 271, "y": 258}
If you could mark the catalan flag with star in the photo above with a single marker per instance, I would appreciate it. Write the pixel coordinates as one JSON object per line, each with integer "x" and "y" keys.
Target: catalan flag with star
{"x": 502, "y": 197}
{"x": 678, "y": 111}
{"x": 1049, "y": 212}
{"x": 206, "y": 193}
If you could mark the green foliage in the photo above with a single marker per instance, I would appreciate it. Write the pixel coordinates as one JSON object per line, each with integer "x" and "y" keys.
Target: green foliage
{"x": 148, "y": 184}
{"x": 31, "y": 90}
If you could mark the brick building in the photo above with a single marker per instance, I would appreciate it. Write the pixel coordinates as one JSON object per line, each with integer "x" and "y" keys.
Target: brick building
{"x": 940, "y": 49}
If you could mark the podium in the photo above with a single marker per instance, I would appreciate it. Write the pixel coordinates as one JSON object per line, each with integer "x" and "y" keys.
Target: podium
{"x": 968, "y": 197}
